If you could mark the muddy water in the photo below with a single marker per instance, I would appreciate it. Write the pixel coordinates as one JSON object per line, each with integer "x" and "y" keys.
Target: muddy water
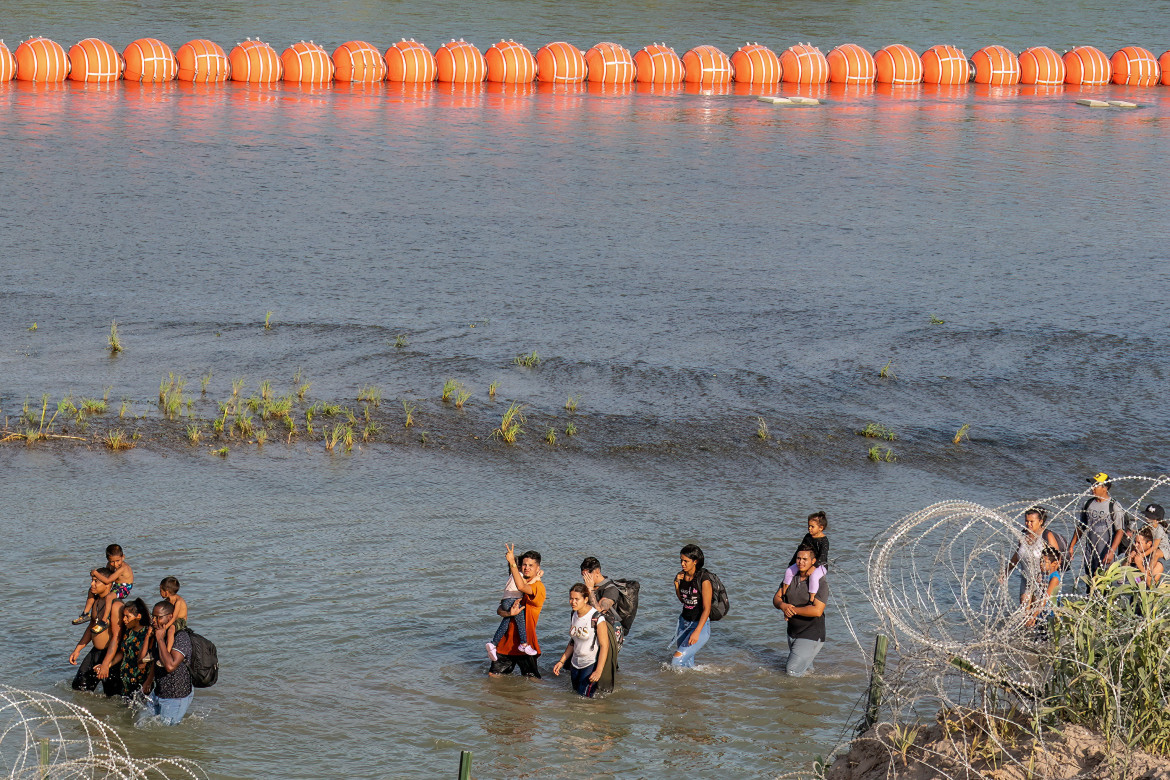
{"x": 685, "y": 262}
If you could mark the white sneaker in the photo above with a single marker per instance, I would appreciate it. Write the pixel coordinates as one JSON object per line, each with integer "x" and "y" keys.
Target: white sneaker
{"x": 527, "y": 649}
{"x": 492, "y": 651}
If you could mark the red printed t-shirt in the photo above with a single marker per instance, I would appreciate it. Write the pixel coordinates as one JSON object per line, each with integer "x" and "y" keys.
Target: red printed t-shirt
{"x": 532, "y": 604}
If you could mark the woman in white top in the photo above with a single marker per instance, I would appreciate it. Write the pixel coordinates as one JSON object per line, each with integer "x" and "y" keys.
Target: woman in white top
{"x": 1032, "y": 543}
{"x": 588, "y": 646}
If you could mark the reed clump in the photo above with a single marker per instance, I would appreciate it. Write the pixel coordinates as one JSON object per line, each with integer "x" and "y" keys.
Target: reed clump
{"x": 887, "y": 371}
{"x": 114, "y": 342}
{"x": 510, "y": 424}
{"x": 400, "y": 341}
{"x": 571, "y": 429}
{"x": 170, "y": 395}
{"x": 879, "y": 454}
{"x": 369, "y": 394}
{"x": 117, "y": 440}
{"x": 204, "y": 381}
{"x": 961, "y": 434}
{"x": 761, "y": 429}
{"x": 877, "y": 431}
{"x": 531, "y": 360}
{"x": 410, "y": 409}
{"x": 492, "y": 388}
{"x": 462, "y": 394}
{"x": 449, "y": 388}
{"x": 194, "y": 433}
{"x": 550, "y": 436}
{"x": 268, "y": 321}
{"x": 221, "y": 452}
{"x": 571, "y": 403}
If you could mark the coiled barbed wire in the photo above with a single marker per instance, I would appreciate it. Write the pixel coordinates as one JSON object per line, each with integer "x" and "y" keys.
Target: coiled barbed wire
{"x": 43, "y": 737}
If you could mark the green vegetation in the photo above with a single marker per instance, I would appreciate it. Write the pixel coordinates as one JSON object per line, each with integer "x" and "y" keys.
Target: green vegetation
{"x": 204, "y": 381}
{"x": 936, "y": 321}
{"x": 877, "y": 431}
{"x": 551, "y": 436}
{"x": 370, "y": 395}
{"x": 116, "y": 440}
{"x": 571, "y": 403}
{"x": 33, "y": 327}
{"x": 510, "y": 424}
{"x": 492, "y": 388}
{"x": 761, "y": 429}
{"x": 410, "y": 409}
{"x": 570, "y": 429}
{"x": 268, "y": 321}
{"x": 170, "y": 395}
{"x": 194, "y": 433}
{"x": 400, "y": 341}
{"x": 114, "y": 342}
{"x": 221, "y": 452}
{"x": 530, "y": 360}
{"x": 962, "y": 434}
{"x": 887, "y": 371}
{"x": 879, "y": 454}
{"x": 461, "y": 396}
{"x": 449, "y": 388}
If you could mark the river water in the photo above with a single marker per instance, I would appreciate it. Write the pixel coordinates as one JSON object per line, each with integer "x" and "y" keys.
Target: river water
{"x": 684, "y": 261}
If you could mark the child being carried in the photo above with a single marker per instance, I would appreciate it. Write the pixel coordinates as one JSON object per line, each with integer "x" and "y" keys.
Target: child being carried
{"x": 120, "y": 582}
{"x": 818, "y": 523}
{"x": 511, "y": 595}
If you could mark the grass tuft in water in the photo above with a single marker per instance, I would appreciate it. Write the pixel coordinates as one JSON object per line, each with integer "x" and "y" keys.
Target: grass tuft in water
{"x": 204, "y": 381}
{"x": 571, "y": 403}
{"x": 371, "y": 430}
{"x": 33, "y": 327}
{"x": 330, "y": 410}
{"x": 116, "y": 440}
{"x": 265, "y": 390}
{"x": 880, "y": 454}
{"x": 261, "y": 437}
{"x": 461, "y": 396}
{"x": 113, "y": 341}
{"x": 761, "y": 428}
{"x": 877, "y": 431}
{"x": 194, "y": 434}
{"x": 961, "y": 434}
{"x": 449, "y": 388}
{"x": 530, "y": 360}
{"x": 410, "y": 409}
{"x": 551, "y": 436}
{"x": 268, "y": 321}
{"x": 887, "y": 371}
{"x": 170, "y": 395}
{"x": 936, "y": 321}
{"x": 400, "y": 341}
{"x": 492, "y": 388}
{"x": 510, "y": 424}
{"x": 571, "y": 429}
{"x": 221, "y": 452}
{"x": 370, "y": 395}
{"x": 123, "y": 409}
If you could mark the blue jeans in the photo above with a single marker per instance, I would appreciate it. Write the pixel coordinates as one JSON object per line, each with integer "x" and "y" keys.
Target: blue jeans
{"x": 518, "y": 619}
{"x": 686, "y": 657}
{"x": 801, "y": 654}
{"x": 169, "y": 711}
{"x": 580, "y": 678}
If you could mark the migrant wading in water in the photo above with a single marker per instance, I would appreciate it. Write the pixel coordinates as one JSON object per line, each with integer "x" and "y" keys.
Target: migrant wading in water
{"x": 508, "y": 652}
{"x": 805, "y": 613}
{"x": 693, "y": 588}
{"x": 129, "y": 663}
{"x": 605, "y": 595}
{"x": 1102, "y": 524}
{"x": 169, "y": 680}
{"x": 105, "y": 641}
{"x": 1034, "y": 539}
{"x": 592, "y": 649}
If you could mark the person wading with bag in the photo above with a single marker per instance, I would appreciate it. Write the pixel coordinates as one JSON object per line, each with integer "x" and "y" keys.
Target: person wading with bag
{"x": 693, "y": 588}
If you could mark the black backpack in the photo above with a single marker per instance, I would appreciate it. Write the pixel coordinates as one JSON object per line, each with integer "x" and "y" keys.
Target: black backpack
{"x": 204, "y": 661}
{"x": 626, "y": 606}
{"x": 719, "y": 601}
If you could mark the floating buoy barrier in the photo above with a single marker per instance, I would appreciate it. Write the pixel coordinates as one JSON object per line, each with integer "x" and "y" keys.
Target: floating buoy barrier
{"x": 756, "y": 64}
{"x": 7, "y": 63}
{"x": 509, "y": 62}
{"x": 255, "y": 62}
{"x": 1087, "y": 66}
{"x": 306, "y": 62}
{"x": 202, "y": 62}
{"x": 851, "y": 64}
{"x": 708, "y": 66}
{"x": 1134, "y": 66}
{"x": 610, "y": 63}
{"x": 804, "y": 64}
{"x": 358, "y": 62}
{"x": 95, "y": 62}
{"x": 898, "y": 64}
{"x": 1041, "y": 66}
{"x": 92, "y": 60}
{"x": 42, "y": 61}
{"x": 657, "y": 63}
{"x": 996, "y": 66}
{"x": 149, "y": 60}
{"x": 410, "y": 62}
{"x": 560, "y": 62}
{"x": 944, "y": 64}
{"x": 459, "y": 62}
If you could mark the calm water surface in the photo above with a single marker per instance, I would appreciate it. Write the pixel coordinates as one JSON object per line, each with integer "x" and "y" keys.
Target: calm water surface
{"x": 685, "y": 261}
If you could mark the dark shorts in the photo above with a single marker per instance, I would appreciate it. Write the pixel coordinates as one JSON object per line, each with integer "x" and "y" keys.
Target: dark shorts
{"x": 86, "y": 678}
{"x": 505, "y": 664}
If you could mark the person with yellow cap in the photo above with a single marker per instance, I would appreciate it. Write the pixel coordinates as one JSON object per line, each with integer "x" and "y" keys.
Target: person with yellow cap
{"x": 1102, "y": 525}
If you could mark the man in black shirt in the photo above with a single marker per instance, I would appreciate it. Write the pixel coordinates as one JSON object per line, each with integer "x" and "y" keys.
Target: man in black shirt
{"x": 171, "y": 672}
{"x": 805, "y": 614}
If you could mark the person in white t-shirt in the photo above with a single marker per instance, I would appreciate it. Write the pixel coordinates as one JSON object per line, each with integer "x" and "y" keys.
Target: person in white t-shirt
{"x": 588, "y": 646}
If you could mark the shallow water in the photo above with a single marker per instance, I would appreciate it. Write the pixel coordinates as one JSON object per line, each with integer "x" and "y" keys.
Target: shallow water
{"x": 683, "y": 261}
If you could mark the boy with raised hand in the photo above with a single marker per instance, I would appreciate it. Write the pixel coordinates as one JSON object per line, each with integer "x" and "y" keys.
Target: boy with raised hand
{"x": 120, "y": 582}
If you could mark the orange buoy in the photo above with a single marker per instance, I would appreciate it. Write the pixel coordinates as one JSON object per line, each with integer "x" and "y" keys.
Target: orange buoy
{"x": 997, "y": 66}
{"x": 1135, "y": 67}
{"x": 255, "y": 62}
{"x": 560, "y": 63}
{"x": 459, "y": 62}
{"x": 94, "y": 61}
{"x": 410, "y": 62}
{"x": 7, "y": 63}
{"x": 756, "y": 64}
{"x": 509, "y": 62}
{"x": 149, "y": 60}
{"x": 1164, "y": 64}
{"x": 707, "y": 65}
{"x": 1042, "y": 66}
{"x": 358, "y": 62}
{"x": 306, "y": 62}
{"x": 610, "y": 63}
{"x": 898, "y": 64}
{"x": 851, "y": 64}
{"x": 657, "y": 63}
{"x": 1087, "y": 66}
{"x": 942, "y": 64}
{"x": 202, "y": 62}
{"x": 41, "y": 60}
{"x": 804, "y": 64}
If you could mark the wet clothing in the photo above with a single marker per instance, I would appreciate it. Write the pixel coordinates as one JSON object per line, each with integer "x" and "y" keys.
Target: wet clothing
{"x": 176, "y": 684}
{"x": 686, "y": 657}
{"x": 516, "y": 620}
{"x": 820, "y": 547}
{"x": 800, "y": 627}
{"x": 86, "y": 678}
{"x": 692, "y": 596}
{"x": 510, "y": 644}
{"x": 505, "y": 664}
{"x": 580, "y": 678}
{"x": 128, "y": 671}
{"x": 583, "y": 632}
{"x": 121, "y": 589}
